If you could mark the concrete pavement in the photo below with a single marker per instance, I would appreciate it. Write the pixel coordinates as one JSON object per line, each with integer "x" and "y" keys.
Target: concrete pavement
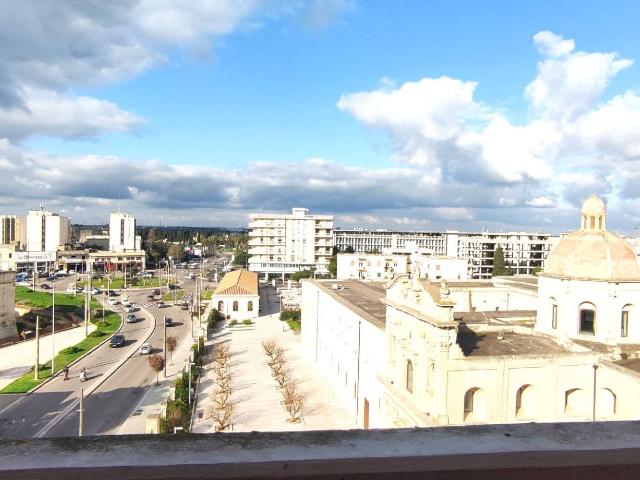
{"x": 19, "y": 358}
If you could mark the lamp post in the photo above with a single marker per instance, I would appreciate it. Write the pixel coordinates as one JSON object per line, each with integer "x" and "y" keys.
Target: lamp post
{"x": 53, "y": 329}
{"x": 595, "y": 370}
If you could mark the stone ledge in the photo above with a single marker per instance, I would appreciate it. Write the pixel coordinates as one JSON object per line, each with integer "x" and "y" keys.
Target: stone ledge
{"x": 560, "y": 450}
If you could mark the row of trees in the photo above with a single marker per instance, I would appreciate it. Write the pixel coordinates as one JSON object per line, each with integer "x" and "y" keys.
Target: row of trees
{"x": 223, "y": 407}
{"x": 292, "y": 399}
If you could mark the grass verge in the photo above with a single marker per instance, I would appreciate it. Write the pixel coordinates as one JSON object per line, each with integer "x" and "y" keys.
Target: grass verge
{"x": 104, "y": 329}
{"x": 26, "y": 296}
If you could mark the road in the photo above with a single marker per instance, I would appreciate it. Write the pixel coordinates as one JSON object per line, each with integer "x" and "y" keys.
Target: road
{"x": 51, "y": 411}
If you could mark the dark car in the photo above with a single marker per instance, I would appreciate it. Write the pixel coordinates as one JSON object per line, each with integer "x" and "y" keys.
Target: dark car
{"x": 150, "y": 297}
{"x": 168, "y": 322}
{"x": 111, "y": 293}
{"x": 131, "y": 318}
{"x": 184, "y": 306}
{"x": 51, "y": 278}
{"x": 45, "y": 286}
{"x": 117, "y": 341}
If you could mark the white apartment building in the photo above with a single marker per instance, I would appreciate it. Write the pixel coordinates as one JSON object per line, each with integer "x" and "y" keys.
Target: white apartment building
{"x": 287, "y": 243}
{"x": 122, "y": 233}
{"x": 524, "y": 252}
{"x": 47, "y": 231}
{"x": 372, "y": 266}
{"x": 13, "y": 231}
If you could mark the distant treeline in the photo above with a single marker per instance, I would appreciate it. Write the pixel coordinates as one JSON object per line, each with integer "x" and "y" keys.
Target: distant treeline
{"x": 174, "y": 234}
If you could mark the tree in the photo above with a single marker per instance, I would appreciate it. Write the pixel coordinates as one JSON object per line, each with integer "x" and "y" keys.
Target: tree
{"x": 333, "y": 265}
{"x": 241, "y": 258}
{"x": 297, "y": 276}
{"x": 176, "y": 251}
{"x": 500, "y": 268}
{"x": 349, "y": 249}
{"x": 172, "y": 343}
{"x": 156, "y": 362}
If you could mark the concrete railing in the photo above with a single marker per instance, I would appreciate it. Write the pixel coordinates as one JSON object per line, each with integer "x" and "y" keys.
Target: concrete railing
{"x": 524, "y": 451}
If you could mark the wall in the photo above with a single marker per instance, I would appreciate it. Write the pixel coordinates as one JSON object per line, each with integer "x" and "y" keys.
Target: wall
{"x": 7, "y": 305}
{"x": 243, "y": 301}
{"x": 347, "y": 349}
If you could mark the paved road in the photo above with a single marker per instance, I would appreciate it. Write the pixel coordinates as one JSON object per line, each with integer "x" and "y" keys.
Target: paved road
{"x": 52, "y": 410}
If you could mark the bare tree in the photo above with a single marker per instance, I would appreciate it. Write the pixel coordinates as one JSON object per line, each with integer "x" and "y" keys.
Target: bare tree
{"x": 222, "y": 417}
{"x": 156, "y": 362}
{"x": 294, "y": 404}
{"x": 269, "y": 347}
{"x": 172, "y": 343}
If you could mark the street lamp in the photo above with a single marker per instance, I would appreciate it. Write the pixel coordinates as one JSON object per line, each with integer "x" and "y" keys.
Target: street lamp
{"x": 53, "y": 328}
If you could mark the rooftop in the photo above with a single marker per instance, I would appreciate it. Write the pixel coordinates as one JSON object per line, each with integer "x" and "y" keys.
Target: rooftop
{"x": 487, "y": 344}
{"x": 238, "y": 282}
{"x": 499, "y": 317}
{"x": 364, "y": 296}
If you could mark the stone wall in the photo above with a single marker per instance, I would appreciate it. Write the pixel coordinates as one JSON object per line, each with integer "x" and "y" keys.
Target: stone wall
{"x": 7, "y": 304}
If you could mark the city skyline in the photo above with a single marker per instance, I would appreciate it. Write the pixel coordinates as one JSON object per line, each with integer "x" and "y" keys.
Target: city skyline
{"x": 202, "y": 115}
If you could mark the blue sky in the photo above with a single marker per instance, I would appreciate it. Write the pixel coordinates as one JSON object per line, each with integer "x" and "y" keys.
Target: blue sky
{"x": 265, "y": 83}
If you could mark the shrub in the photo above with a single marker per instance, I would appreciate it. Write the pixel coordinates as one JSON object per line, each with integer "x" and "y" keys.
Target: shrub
{"x": 71, "y": 350}
{"x": 290, "y": 314}
{"x": 214, "y": 318}
{"x": 233, "y": 322}
{"x": 247, "y": 322}
{"x": 97, "y": 334}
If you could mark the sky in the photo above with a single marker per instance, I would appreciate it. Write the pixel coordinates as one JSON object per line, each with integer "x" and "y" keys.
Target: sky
{"x": 405, "y": 114}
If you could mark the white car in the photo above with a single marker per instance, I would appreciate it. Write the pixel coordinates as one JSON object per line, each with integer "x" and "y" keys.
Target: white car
{"x": 113, "y": 301}
{"x": 71, "y": 289}
{"x": 130, "y": 309}
{"x": 145, "y": 349}
{"x": 95, "y": 291}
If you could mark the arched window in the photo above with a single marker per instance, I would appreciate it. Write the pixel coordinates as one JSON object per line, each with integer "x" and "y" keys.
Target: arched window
{"x": 587, "y": 318}
{"x": 221, "y": 306}
{"x": 606, "y": 406}
{"x": 235, "y": 305}
{"x": 575, "y": 402}
{"x": 474, "y": 405}
{"x": 249, "y": 306}
{"x": 624, "y": 321}
{"x": 409, "y": 382}
{"x": 525, "y": 402}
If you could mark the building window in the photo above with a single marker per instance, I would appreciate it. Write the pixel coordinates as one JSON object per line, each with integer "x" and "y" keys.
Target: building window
{"x": 575, "y": 402}
{"x": 624, "y": 321}
{"x": 587, "y": 318}
{"x": 249, "y": 306}
{"x": 474, "y": 405}
{"x": 525, "y": 403}
{"x": 221, "y": 306}
{"x": 235, "y": 305}
{"x": 606, "y": 403}
{"x": 554, "y": 316}
{"x": 409, "y": 383}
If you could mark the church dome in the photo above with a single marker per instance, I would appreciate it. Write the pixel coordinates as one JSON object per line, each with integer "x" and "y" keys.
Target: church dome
{"x": 593, "y": 253}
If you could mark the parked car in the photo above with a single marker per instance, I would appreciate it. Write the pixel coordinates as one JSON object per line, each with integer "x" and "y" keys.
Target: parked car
{"x": 45, "y": 286}
{"x": 61, "y": 273}
{"x": 117, "y": 341}
{"x": 51, "y": 278}
{"x": 113, "y": 301}
{"x": 145, "y": 349}
{"x": 71, "y": 289}
{"x": 131, "y": 318}
{"x": 43, "y": 274}
{"x": 161, "y": 304}
{"x": 150, "y": 297}
{"x": 24, "y": 283}
{"x": 111, "y": 293}
{"x": 71, "y": 272}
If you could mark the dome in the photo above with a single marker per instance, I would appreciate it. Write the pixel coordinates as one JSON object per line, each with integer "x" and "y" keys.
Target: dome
{"x": 593, "y": 253}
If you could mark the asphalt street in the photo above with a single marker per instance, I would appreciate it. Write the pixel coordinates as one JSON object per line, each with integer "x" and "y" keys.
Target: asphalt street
{"x": 52, "y": 411}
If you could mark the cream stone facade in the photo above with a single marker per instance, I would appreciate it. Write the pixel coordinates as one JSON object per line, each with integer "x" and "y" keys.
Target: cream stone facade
{"x": 564, "y": 346}
{"x": 237, "y": 296}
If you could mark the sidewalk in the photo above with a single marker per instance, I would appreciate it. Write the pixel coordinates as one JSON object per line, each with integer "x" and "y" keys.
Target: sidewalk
{"x": 17, "y": 359}
{"x": 256, "y": 398}
{"x": 153, "y": 401}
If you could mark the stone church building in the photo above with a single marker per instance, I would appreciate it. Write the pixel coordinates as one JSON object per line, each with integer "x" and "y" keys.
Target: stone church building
{"x": 563, "y": 346}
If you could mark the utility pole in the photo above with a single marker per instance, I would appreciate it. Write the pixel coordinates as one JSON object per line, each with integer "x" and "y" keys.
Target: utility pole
{"x": 36, "y": 370}
{"x": 164, "y": 350}
{"x": 81, "y": 411}
{"x": 595, "y": 370}
{"x": 189, "y": 363}
{"x": 53, "y": 330}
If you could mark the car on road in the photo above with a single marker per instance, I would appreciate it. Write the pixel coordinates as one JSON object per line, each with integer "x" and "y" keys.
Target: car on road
{"x": 151, "y": 297}
{"x": 111, "y": 293}
{"x": 45, "y": 286}
{"x": 71, "y": 289}
{"x": 168, "y": 322}
{"x": 131, "y": 309}
{"x": 184, "y": 306}
{"x": 116, "y": 341}
{"x": 161, "y": 304}
{"x": 145, "y": 349}
{"x": 95, "y": 291}
{"x": 113, "y": 301}
{"x": 131, "y": 318}
{"x": 24, "y": 283}
{"x": 126, "y": 302}
{"x": 51, "y": 278}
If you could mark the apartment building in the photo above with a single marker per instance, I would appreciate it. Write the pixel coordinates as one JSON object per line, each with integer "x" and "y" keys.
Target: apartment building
{"x": 47, "y": 231}
{"x": 524, "y": 252}
{"x": 122, "y": 233}
{"x": 287, "y": 243}
{"x": 13, "y": 231}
